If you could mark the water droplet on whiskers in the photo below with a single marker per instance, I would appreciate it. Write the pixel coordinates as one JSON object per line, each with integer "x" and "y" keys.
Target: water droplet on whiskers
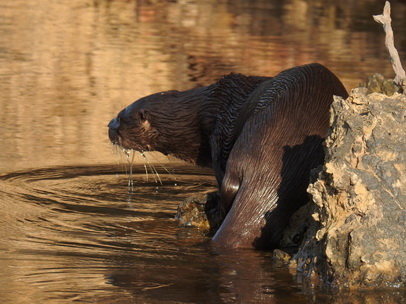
{"x": 150, "y": 167}
{"x": 129, "y": 153}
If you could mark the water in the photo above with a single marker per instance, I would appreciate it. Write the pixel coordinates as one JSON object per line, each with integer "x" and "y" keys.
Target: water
{"x": 71, "y": 229}
{"x": 78, "y": 234}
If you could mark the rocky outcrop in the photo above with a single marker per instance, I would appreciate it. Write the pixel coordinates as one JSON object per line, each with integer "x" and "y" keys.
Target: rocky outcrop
{"x": 356, "y": 234}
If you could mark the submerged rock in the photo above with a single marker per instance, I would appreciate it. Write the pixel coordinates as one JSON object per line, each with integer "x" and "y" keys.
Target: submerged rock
{"x": 191, "y": 213}
{"x": 356, "y": 234}
{"x": 200, "y": 212}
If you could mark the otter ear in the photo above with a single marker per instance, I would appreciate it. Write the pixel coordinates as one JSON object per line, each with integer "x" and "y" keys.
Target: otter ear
{"x": 143, "y": 115}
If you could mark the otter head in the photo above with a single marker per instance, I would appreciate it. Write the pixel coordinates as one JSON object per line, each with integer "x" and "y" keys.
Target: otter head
{"x": 133, "y": 128}
{"x": 166, "y": 122}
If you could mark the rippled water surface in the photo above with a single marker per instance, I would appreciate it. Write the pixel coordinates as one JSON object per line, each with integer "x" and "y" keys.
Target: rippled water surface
{"x": 71, "y": 228}
{"x": 79, "y": 233}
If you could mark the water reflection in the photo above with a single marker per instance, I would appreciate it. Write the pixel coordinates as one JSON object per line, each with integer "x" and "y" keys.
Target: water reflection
{"x": 67, "y": 67}
{"x": 72, "y": 228}
{"x": 76, "y": 235}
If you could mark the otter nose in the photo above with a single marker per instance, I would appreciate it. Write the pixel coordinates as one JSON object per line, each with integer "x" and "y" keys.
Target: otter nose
{"x": 114, "y": 123}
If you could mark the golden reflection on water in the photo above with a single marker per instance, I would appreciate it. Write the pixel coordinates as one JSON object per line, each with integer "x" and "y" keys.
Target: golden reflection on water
{"x": 73, "y": 232}
{"x": 67, "y": 67}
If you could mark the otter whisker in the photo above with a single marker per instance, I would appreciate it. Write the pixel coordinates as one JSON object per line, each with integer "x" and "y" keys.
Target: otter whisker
{"x": 146, "y": 171}
{"x": 154, "y": 170}
{"x": 145, "y": 165}
{"x": 152, "y": 167}
{"x": 163, "y": 167}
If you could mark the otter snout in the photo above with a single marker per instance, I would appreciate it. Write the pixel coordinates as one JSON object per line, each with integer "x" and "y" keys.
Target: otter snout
{"x": 114, "y": 125}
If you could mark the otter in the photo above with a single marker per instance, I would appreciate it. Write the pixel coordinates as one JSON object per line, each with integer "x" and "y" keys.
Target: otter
{"x": 261, "y": 135}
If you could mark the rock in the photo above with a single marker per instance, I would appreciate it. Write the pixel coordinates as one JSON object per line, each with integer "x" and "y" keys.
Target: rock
{"x": 280, "y": 256}
{"x": 191, "y": 213}
{"x": 356, "y": 234}
{"x": 298, "y": 225}
{"x": 378, "y": 84}
{"x": 200, "y": 212}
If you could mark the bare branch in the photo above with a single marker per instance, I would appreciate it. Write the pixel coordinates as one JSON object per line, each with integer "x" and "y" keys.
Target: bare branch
{"x": 386, "y": 20}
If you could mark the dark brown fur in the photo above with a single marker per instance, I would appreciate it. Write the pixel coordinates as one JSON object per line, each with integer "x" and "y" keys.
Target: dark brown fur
{"x": 261, "y": 135}
{"x": 194, "y": 125}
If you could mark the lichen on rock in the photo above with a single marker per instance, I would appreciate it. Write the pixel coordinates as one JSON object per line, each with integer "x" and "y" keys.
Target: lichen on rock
{"x": 357, "y": 235}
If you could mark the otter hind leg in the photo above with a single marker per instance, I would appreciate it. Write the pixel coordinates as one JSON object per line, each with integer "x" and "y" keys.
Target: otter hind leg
{"x": 229, "y": 189}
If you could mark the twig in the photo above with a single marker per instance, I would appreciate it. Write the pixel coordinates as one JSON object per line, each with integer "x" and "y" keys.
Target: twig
{"x": 386, "y": 20}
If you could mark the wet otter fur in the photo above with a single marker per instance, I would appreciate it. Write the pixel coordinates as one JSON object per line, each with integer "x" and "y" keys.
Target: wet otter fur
{"x": 261, "y": 135}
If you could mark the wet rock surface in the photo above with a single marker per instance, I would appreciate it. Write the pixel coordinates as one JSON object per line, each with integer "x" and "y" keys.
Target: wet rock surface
{"x": 356, "y": 233}
{"x": 191, "y": 213}
{"x": 200, "y": 212}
